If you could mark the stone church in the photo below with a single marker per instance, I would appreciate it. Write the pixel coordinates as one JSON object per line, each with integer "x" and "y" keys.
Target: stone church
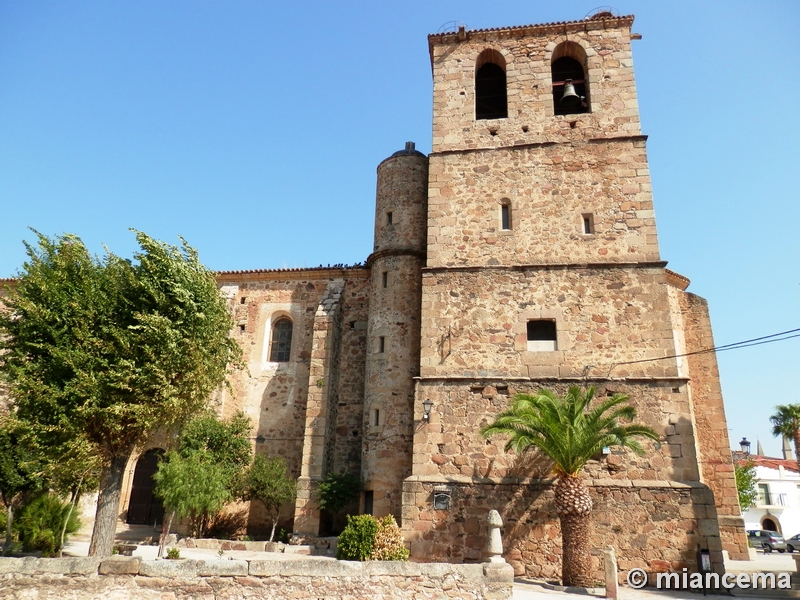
{"x": 521, "y": 253}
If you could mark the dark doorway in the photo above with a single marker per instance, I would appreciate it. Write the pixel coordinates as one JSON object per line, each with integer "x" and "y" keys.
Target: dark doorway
{"x": 769, "y": 525}
{"x": 144, "y": 508}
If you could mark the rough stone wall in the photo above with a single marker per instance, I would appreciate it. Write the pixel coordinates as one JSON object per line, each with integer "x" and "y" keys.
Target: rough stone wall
{"x": 345, "y": 451}
{"x": 716, "y": 461}
{"x": 653, "y": 525}
{"x": 136, "y": 579}
{"x": 527, "y": 52}
{"x": 550, "y": 188}
{"x": 474, "y": 322}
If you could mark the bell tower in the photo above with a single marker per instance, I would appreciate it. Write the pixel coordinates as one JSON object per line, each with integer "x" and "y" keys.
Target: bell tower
{"x": 543, "y": 271}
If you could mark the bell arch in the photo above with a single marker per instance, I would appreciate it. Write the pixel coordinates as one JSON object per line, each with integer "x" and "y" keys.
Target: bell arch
{"x": 491, "y": 93}
{"x": 569, "y": 74}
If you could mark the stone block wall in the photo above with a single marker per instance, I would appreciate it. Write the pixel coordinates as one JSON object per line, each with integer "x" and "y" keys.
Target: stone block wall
{"x": 474, "y": 322}
{"x": 136, "y": 579}
{"x": 653, "y": 525}
{"x": 550, "y": 187}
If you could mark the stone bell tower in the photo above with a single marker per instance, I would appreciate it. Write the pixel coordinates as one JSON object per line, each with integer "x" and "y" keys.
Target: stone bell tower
{"x": 393, "y": 328}
{"x": 543, "y": 271}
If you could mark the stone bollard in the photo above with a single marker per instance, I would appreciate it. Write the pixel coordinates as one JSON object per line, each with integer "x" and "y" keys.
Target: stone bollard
{"x": 612, "y": 581}
{"x": 494, "y": 543}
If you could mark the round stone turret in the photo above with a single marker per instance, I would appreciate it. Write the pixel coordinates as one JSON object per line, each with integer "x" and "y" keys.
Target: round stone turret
{"x": 394, "y": 328}
{"x": 401, "y": 201}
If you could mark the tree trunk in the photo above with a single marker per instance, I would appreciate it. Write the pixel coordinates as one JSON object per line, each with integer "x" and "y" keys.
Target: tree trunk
{"x": 574, "y": 507}
{"x": 797, "y": 447}
{"x": 10, "y": 515}
{"x": 69, "y": 516}
{"x": 166, "y": 526}
{"x": 105, "y": 520}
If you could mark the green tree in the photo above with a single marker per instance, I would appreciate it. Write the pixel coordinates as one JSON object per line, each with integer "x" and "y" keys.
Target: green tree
{"x": 190, "y": 487}
{"x": 335, "y": 494}
{"x": 570, "y": 431}
{"x": 20, "y": 470}
{"x": 112, "y": 348}
{"x": 786, "y": 423}
{"x": 224, "y": 442}
{"x": 266, "y": 481}
{"x": 746, "y": 484}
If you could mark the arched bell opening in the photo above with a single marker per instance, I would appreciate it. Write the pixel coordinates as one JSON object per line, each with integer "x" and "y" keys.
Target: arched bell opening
{"x": 570, "y": 81}
{"x": 491, "y": 94}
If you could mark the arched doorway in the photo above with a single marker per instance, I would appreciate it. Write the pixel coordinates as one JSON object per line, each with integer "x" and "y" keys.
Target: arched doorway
{"x": 145, "y": 508}
{"x": 770, "y": 524}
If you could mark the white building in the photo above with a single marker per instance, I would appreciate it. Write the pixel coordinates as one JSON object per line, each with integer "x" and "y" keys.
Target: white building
{"x": 777, "y": 507}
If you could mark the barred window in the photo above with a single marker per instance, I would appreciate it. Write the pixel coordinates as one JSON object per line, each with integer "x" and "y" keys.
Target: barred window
{"x": 281, "y": 345}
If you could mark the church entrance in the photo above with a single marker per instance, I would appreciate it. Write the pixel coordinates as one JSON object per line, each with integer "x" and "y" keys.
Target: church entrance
{"x": 144, "y": 507}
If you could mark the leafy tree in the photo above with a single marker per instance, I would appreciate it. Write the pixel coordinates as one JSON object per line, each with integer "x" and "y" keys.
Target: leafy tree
{"x": 20, "y": 470}
{"x": 267, "y": 482}
{"x": 337, "y": 490}
{"x": 746, "y": 484}
{"x": 570, "y": 432}
{"x": 190, "y": 487}
{"x": 786, "y": 423}
{"x": 224, "y": 442}
{"x": 112, "y": 348}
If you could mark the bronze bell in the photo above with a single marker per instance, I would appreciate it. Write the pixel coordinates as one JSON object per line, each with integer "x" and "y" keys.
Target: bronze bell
{"x": 570, "y": 99}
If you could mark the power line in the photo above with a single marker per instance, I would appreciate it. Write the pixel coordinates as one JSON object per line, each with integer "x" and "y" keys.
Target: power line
{"x": 765, "y": 339}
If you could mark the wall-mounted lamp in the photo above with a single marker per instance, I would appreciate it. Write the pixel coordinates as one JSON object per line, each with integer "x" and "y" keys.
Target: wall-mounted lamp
{"x": 426, "y": 407}
{"x": 745, "y": 446}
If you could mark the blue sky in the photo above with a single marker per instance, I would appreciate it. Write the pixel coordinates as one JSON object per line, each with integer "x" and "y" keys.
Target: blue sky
{"x": 253, "y": 129}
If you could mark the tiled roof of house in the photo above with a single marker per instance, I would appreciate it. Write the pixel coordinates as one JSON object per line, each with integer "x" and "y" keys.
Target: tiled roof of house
{"x": 769, "y": 462}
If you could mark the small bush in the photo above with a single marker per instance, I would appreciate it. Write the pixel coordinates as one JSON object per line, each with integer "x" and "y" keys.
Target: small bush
{"x": 357, "y": 540}
{"x": 173, "y": 553}
{"x": 389, "y": 543}
{"x": 40, "y": 523}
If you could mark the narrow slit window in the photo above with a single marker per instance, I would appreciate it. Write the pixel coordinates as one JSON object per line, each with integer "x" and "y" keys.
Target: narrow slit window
{"x": 376, "y": 417}
{"x": 389, "y": 220}
{"x": 588, "y": 224}
{"x": 505, "y": 216}
{"x": 542, "y": 335}
{"x": 381, "y": 344}
{"x": 385, "y": 279}
{"x": 281, "y": 346}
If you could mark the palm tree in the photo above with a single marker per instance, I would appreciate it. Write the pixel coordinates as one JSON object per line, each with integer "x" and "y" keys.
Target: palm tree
{"x": 570, "y": 432}
{"x": 786, "y": 423}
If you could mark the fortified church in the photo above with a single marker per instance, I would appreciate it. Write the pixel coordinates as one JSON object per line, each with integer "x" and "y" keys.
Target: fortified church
{"x": 521, "y": 253}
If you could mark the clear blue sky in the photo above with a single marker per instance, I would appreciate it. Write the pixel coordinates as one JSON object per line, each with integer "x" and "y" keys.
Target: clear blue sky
{"x": 253, "y": 129}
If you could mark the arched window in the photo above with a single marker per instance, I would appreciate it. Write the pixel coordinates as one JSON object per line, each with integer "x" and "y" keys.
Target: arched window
{"x": 570, "y": 86}
{"x": 490, "y": 86}
{"x": 281, "y": 344}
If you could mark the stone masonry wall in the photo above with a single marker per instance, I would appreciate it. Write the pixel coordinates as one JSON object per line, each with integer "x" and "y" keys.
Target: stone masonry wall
{"x": 527, "y": 52}
{"x": 474, "y": 322}
{"x": 714, "y": 453}
{"x": 136, "y": 579}
{"x": 550, "y": 188}
{"x": 652, "y": 525}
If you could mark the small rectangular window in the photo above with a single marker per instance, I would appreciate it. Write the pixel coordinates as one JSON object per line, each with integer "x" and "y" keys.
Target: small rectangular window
{"x": 385, "y": 279}
{"x": 389, "y": 218}
{"x": 243, "y": 300}
{"x": 588, "y": 224}
{"x": 505, "y": 217}
{"x": 542, "y": 335}
{"x": 381, "y": 344}
{"x": 242, "y": 328}
{"x": 376, "y": 417}
{"x": 369, "y": 496}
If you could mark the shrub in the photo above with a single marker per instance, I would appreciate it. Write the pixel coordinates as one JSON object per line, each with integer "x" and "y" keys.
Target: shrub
{"x": 389, "y": 544}
{"x": 357, "y": 541}
{"x": 337, "y": 490}
{"x": 173, "y": 553}
{"x": 41, "y": 521}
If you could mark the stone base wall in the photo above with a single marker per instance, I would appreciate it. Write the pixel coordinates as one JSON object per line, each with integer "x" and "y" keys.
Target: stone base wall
{"x": 653, "y": 525}
{"x": 136, "y": 579}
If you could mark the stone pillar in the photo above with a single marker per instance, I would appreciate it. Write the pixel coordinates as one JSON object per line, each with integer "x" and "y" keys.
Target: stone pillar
{"x": 612, "y": 581}
{"x": 494, "y": 541}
